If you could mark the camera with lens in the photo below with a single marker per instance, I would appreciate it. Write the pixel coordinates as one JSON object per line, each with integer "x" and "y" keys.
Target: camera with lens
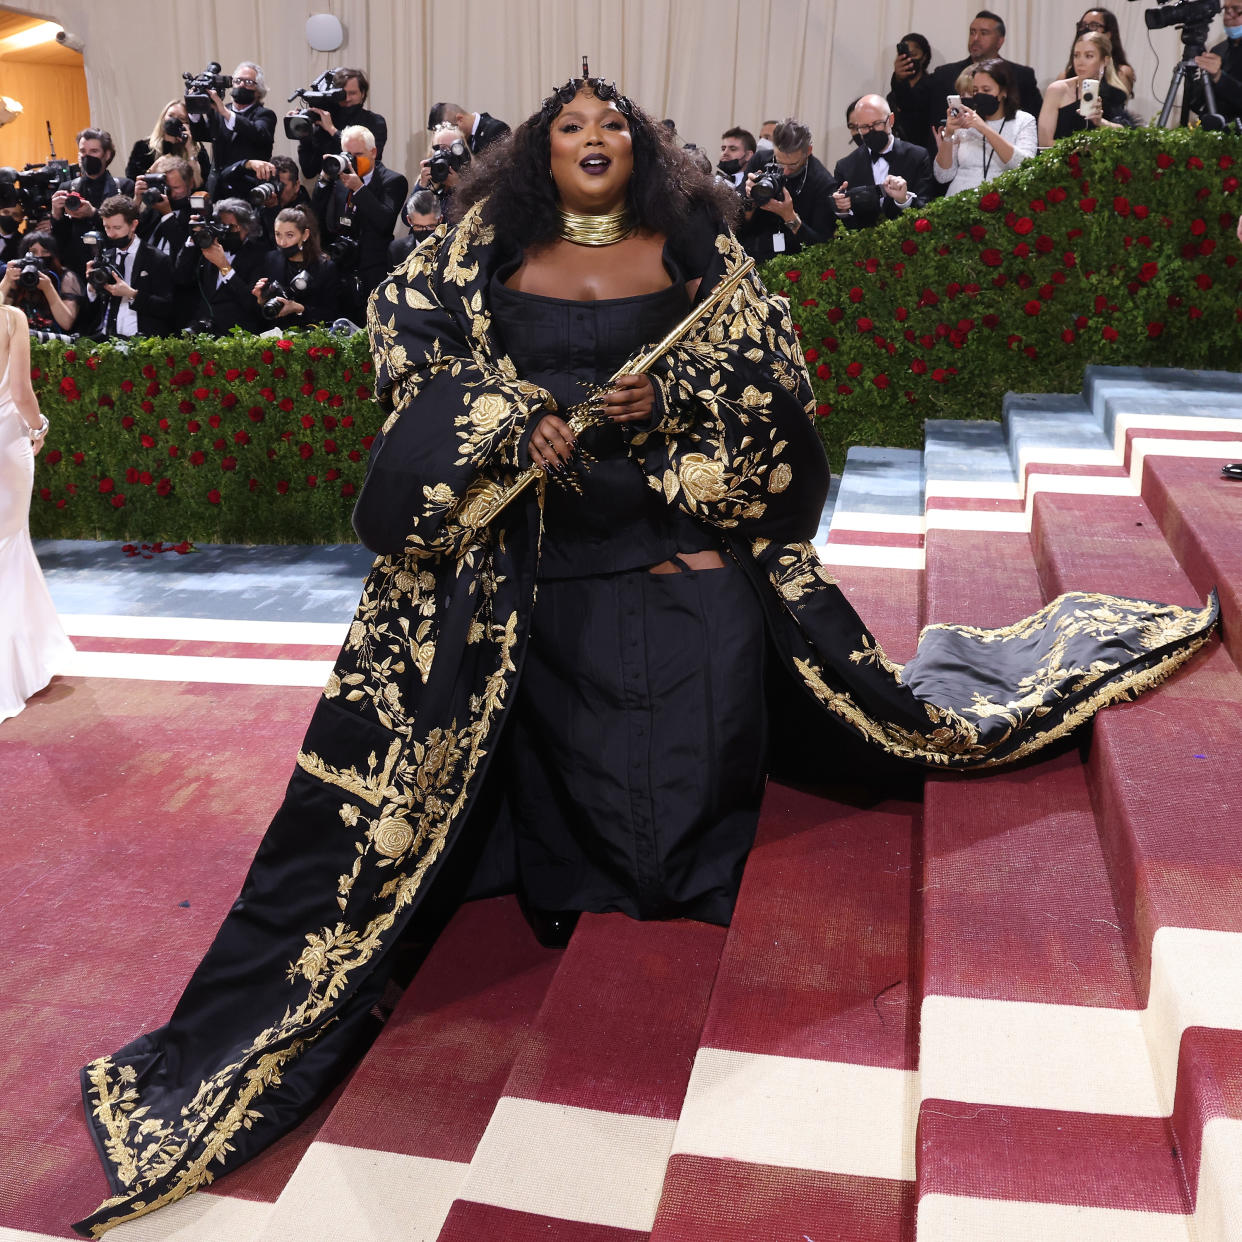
{"x": 322, "y": 93}
{"x": 38, "y": 182}
{"x": 344, "y": 252}
{"x": 29, "y": 268}
{"x": 157, "y": 188}
{"x": 864, "y": 202}
{"x": 1181, "y": 13}
{"x": 335, "y": 165}
{"x": 198, "y": 88}
{"x": 275, "y": 295}
{"x": 769, "y": 184}
{"x": 207, "y": 232}
{"x": 103, "y": 270}
{"x": 258, "y": 195}
{"x": 454, "y": 158}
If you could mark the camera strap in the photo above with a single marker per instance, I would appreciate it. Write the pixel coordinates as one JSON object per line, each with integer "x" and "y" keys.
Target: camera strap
{"x": 989, "y": 151}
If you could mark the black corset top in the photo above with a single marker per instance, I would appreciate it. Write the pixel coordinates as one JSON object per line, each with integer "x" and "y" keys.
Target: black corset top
{"x": 618, "y": 521}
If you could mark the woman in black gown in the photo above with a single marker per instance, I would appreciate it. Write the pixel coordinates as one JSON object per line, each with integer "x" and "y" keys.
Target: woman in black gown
{"x": 1092, "y": 58}
{"x": 599, "y": 648}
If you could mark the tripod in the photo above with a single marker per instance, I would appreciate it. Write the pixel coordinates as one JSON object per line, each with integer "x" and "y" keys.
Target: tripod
{"x": 1194, "y": 44}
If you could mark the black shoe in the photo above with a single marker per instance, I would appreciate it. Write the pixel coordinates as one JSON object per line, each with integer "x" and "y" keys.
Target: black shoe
{"x": 552, "y": 928}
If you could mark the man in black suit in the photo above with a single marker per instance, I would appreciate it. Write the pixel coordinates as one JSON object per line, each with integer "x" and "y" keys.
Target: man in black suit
{"x": 479, "y": 127}
{"x": 1223, "y": 64}
{"x": 215, "y": 283}
{"x": 325, "y": 138}
{"x": 242, "y": 129}
{"x": 986, "y": 38}
{"x": 362, "y": 206}
{"x": 139, "y": 301}
{"x": 885, "y": 176}
{"x": 75, "y": 209}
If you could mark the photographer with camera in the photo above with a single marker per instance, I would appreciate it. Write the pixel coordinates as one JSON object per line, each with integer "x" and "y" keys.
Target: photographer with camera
{"x": 242, "y": 129}
{"x": 75, "y": 207}
{"x": 884, "y": 176}
{"x": 349, "y": 91}
{"x": 422, "y": 214}
{"x": 128, "y": 283}
{"x": 12, "y": 221}
{"x": 300, "y": 285}
{"x": 40, "y": 286}
{"x": 737, "y": 149}
{"x": 215, "y": 272}
{"x": 171, "y": 136}
{"x": 357, "y": 201}
{"x": 162, "y": 195}
{"x": 478, "y": 128}
{"x": 1223, "y": 66}
{"x": 789, "y": 202}
{"x": 447, "y": 158}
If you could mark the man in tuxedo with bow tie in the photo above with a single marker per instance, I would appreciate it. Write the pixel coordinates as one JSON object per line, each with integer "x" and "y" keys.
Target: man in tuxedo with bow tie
{"x": 884, "y": 177}
{"x": 138, "y": 301}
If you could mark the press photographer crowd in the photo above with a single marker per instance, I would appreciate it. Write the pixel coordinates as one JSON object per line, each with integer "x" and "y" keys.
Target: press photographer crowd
{"x": 210, "y": 230}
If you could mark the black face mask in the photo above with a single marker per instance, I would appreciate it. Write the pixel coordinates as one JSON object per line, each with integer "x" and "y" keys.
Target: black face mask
{"x": 92, "y": 166}
{"x": 730, "y": 168}
{"x": 289, "y": 251}
{"x": 985, "y": 105}
{"x": 419, "y": 234}
{"x": 231, "y": 242}
{"x": 8, "y": 226}
{"x": 243, "y": 96}
{"x": 873, "y": 141}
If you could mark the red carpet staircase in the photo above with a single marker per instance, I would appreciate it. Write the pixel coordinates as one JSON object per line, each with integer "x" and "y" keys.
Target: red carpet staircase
{"x": 1010, "y": 1012}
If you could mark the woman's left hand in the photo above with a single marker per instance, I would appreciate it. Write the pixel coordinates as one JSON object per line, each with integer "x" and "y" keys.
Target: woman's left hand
{"x": 631, "y": 399}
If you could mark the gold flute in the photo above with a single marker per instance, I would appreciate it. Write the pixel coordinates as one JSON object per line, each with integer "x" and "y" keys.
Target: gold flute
{"x": 586, "y": 416}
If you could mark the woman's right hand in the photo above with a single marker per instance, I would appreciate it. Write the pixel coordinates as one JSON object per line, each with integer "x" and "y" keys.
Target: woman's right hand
{"x": 552, "y": 444}
{"x": 259, "y": 286}
{"x": 10, "y": 277}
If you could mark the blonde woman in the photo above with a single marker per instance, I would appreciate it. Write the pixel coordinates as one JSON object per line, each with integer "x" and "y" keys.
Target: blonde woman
{"x": 33, "y": 645}
{"x": 171, "y": 136}
{"x": 1060, "y": 116}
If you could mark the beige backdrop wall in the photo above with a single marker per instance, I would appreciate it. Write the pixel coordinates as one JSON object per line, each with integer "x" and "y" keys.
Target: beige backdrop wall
{"x": 707, "y": 63}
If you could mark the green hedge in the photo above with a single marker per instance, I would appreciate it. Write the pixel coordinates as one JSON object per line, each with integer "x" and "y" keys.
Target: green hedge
{"x": 239, "y": 440}
{"x": 1116, "y": 247}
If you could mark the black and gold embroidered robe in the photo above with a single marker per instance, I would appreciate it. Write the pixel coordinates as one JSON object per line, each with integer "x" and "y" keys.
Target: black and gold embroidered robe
{"x": 399, "y": 746}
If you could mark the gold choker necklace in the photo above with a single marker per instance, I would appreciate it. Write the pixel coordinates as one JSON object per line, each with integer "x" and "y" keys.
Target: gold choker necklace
{"x": 596, "y": 230}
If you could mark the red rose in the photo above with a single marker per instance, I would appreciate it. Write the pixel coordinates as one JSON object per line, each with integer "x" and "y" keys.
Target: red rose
{"x": 173, "y": 450}
{"x": 811, "y": 354}
{"x": 106, "y": 485}
{"x": 1069, "y": 336}
{"x": 1207, "y": 246}
{"x": 197, "y": 457}
{"x": 810, "y": 301}
{"x": 192, "y": 426}
{"x": 1087, "y": 205}
{"x": 1141, "y": 212}
{"x": 152, "y": 389}
{"x": 1022, "y": 251}
{"x": 1057, "y": 195}
{"x": 854, "y": 370}
{"x": 922, "y": 225}
{"x": 286, "y": 404}
{"x": 231, "y": 374}
{"x": 835, "y": 314}
{"x": 865, "y": 324}
{"x": 823, "y": 371}
{"x": 993, "y": 258}
{"x": 241, "y": 437}
{"x": 45, "y": 493}
{"x": 1122, "y": 173}
{"x": 284, "y": 344}
{"x": 229, "y": 400}
{"x": 354, "y": 455}
{"x": 881, "y": 380}
{"x": 348, "y": 489}
{"x": 940, "y": 375}
{"x": 321, "y": 395}
{"x": 305, "y": 451}
{"x": 1198, "y": 228}
{"x": 127, "y": 422}
{"x": 186, "y": 407}
{"x": 1194, "y": 313}
{"x": 332, "y": 475}
{"x": 148, "y": 372}
{"x": 267, "y": 356}
{"x": 250, "y": 375}
{"x": 195, "y": 358}
{"x": 131, "y": 474}
{"x": 362, "y": 393}
{"x": 1023, "y": 225}
{"x": 282, "y": 487}
{"x": 312, "y": 480}
{"x": 146, "y": 441}
{"x": 279, "y": 372}
{"x": 1204, "y": 281}
{"x": 329, "y": 446}
{"x": 163, "y": 487}
{"x": 1149, "y": 272}
{"x": 856, "y": 294}
{"x": 145, "y": 478}
{"x": 255, "y": 414}
{"x": 793, "y": 274}
{"x": 919, "y": 367}
{"x": 830, "y": 274}
{"x": 228, "y": 463}
{"x": 1033, "y": 307}
{"x": 118, "y": 501}
{"x": 52, "y": 457}
{"x": 201, "y": 394}
{"x": 1121, "y": 205}
{"x": 1110, "y": 334}
{"x": 844, "y": 390}
{"x": 1194, "y": 162}
{"x": 213, "y": 496}
{"x": 909, "y": 246}
{"x": 127, "y": 386}
{"x": 991, "y": 321}
{"x": 1164, "y": 160}
{"x": 1154, "y": 330}
{"x": 990, "y": 201}
{"x": 901, "y": 314}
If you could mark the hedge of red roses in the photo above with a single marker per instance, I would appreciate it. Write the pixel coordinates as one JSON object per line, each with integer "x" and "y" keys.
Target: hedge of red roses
{"x": 1116, "y": 247}
{"x": 241, "y": 440}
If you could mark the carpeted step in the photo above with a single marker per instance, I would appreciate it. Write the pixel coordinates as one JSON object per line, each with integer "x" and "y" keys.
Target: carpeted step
{"x": 1162, "y": 773}
{"x": 578, "y": 1143}
{"x": 877, "y": 520}
{"x": 799, "y": 1117}
{"x": 394, "y": 1151}
{"x": 1200, "y": 516}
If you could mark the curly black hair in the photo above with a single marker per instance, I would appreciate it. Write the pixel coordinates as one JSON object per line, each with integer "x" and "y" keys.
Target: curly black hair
{"x": 519, "y": 199}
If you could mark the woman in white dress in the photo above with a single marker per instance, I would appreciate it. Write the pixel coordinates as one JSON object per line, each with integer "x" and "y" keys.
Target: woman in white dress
{"x": 988, "y": 135}
{"x": 33, "y": 644}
